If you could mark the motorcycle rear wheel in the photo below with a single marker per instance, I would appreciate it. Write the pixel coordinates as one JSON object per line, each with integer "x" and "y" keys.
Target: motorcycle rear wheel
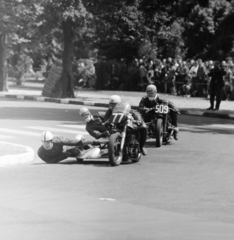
{"x": 114, "y": 149}
{"x": 159, "y": 132}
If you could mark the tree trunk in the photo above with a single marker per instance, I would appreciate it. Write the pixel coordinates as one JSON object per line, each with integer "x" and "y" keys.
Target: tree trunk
{"x": 3, "y": 63}
{"x": 67, "y": 79}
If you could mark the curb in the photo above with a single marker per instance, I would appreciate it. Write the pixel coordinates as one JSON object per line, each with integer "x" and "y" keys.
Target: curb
{"x": 25, "y": 157}
{"x": 225, "y": 114}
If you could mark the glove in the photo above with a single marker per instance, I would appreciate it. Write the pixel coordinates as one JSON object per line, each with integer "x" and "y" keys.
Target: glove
{"x": 106, "y": 123}
{"x": 105, "y": 134}
{"x": 145, "y": 109}
{"x": 130, "y": 117}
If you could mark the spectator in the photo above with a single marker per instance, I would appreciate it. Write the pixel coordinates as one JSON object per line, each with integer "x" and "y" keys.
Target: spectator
{"x": 163, "y": 76}
{"x": 216, "y": 85}
{"x": 150, "y": 74}
{"x": 193, "y": 75}
{"x": 201, "y": 75}
{"x": 171, "y": 79}
{"x": 227, "y": 82}
{"x": 48, "y": 67}
{"x": 187, "y": 86}
{"x": 143, "y": 74}
{"x": 181, "y": 77}
{"x": 114, "y": 80}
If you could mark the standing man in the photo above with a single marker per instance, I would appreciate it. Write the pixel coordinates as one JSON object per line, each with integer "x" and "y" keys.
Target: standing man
{"x": 193, "y": 75}
{"x": 216, "y": 85}
{"x": 181, "y": 77}
{"x": 143, "y": 74}
{"x": 201, "y": 74}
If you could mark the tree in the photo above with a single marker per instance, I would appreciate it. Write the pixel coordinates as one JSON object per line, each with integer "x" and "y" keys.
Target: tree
{"x": 204, "y": 35}
{"x": 120, "y": 33}
{"x": 66, "y": 18}
{"x": 16, "y": 16}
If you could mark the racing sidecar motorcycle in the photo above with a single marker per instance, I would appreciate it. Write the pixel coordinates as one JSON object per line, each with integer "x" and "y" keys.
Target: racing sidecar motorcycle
{"x": 124, "y": 139}
{"x": 123, "y": 144}
{"x": 93, "y": 151}
{"x": 160, "y": 127}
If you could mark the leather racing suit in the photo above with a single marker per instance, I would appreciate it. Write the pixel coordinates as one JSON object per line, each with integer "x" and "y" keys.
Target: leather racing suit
{"x": 62, "y": 149}
{"x": 145, "y": 104}
{"x": 96, "y": 128}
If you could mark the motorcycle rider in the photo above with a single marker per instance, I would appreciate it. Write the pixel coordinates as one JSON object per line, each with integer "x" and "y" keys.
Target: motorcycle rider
{"x": 150, "y": 101}
{"x": 113, "y": 101}
{"x": 55, "y": 148}
{"x": 141, "y": 126}
{"x": 94, "y": 124}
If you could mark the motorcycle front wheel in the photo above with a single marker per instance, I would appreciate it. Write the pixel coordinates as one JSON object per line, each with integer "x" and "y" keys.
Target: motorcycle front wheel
{"x": 159, "y": 132}
{"x": 115, "y": 156}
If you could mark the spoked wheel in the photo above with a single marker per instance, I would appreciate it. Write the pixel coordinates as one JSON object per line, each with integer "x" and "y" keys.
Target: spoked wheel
{"x": 159, "y": 132}
{"x": 114, "y": 154}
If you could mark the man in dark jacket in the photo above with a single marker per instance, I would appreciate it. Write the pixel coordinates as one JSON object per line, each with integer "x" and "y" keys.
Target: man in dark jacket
{"x": 55, "y": 149}
{"x": 94, "y": 124}
{"x": 150, "y": 101}
{"x": 216, "y": 86}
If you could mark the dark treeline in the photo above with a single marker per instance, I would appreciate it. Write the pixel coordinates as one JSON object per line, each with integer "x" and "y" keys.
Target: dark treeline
{"x": 124, "y": 29}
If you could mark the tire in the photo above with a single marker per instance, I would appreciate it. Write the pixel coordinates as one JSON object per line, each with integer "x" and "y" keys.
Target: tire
{"x": 80, "y": 160}
{"x": 159, "y": 132}
{"x": 137, "y": 159}
{"x": 114, "y": 149}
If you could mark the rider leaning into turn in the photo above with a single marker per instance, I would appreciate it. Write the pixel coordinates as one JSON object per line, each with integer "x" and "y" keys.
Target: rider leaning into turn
{"x": 55, "y": 148}
{"x": 94, "y": 124}
{"x": 150, "y": 101}
{"x": 141, "y": 126}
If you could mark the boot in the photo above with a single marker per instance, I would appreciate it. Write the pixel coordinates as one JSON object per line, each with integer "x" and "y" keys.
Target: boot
{"x": 175, "y": 133}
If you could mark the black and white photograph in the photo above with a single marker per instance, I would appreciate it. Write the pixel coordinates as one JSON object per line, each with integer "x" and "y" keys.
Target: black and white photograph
{"x": 116, "y": 119}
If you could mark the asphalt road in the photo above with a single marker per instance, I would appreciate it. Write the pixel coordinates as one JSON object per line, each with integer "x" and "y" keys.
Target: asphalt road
{"x": 180, "y": 191}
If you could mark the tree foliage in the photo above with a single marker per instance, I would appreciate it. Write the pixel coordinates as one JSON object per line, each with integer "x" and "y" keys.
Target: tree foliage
{"x": 73, "y": 29}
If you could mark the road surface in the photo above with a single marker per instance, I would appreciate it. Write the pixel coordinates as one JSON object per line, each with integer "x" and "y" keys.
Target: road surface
{"x": 180, "y": 191}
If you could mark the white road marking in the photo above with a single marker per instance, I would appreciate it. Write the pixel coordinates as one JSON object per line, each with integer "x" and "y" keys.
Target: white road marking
{"x": 56, "y": 130}
{"x": 5, "y": 136}
{"x": 107, "y": 199}
{"x": 14, "y": 131}
{"x": 220, "y": 126}
{"x": 73, "y": 126}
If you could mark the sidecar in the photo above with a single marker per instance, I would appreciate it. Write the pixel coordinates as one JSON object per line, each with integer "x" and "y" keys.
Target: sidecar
{"x": 93, "y": 152}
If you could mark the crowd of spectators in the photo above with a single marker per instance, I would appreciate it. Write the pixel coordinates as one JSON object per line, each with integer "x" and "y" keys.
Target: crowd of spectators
{"x": 189, "y": 78}
{"x": 185, "y": 78}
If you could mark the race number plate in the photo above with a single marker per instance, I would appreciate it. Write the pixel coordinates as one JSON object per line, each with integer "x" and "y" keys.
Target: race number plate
{"x": 117, "y": 118}
{"x": 162, "y": 109}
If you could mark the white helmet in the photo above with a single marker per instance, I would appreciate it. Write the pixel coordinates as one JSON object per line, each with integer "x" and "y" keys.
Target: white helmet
{"x": 114, "y": 99}
{"x": 79, "y": 137}
{"x": 84, "y": 111}
{"x": 46, "y": 136}
{"x": 151, "y": 91}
